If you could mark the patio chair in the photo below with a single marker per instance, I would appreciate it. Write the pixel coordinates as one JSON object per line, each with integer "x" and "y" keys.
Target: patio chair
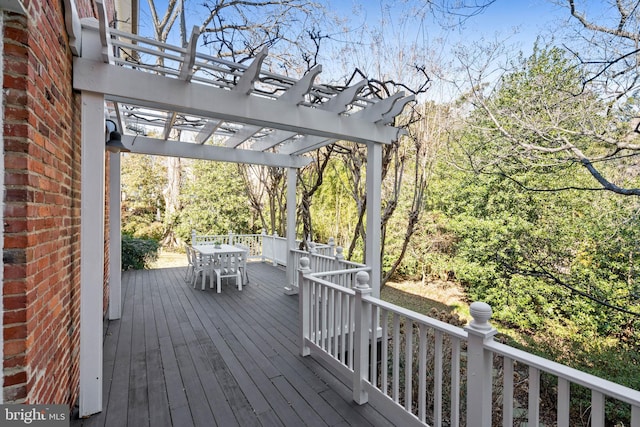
{"x": 201, "y": 265}
{"x": 189, "y": 271}
{"x": 226, "y": 266}
{"x": 242, "y": 266}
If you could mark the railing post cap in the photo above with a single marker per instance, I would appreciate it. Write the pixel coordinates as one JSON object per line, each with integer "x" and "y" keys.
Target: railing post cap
{"x": 304, "y": 263}
{"x": 481, "y": 313}
{"x": 362, "y": 281}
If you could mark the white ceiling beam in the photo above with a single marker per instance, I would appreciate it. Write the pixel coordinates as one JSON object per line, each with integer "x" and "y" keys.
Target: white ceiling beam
{"x": 242, "y": 135}
{"x": 156, "y": 91}
{"x": 159, "y": 147}
{"x": 382, "y": 112}
{"x": 103, "y": 25}
{"x": 375, "y": 112}
{"x": 186, "y": 66}
{"x": 305, "y": 144}
{"x": 71, "y": 21}
{"x": 339, "y": 103}
{"x": 245, "y": 86}
{"x": 168, "y": 125}
{"x": 273, "y": 139}
{"x": 294, "y": 95}
{"x": 397, "y": 108}
{"x": 250, "y": 75}
{"x": 207, "y": 130}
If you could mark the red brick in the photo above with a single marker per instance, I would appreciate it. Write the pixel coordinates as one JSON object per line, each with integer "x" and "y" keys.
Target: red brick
{"x": 15, "y": 379}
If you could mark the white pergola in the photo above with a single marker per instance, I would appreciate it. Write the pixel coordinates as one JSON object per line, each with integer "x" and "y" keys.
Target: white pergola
{"x": 201, "y": 107}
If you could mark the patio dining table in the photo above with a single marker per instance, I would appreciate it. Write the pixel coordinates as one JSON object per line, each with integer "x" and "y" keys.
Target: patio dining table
{"x": 216, "y": 252}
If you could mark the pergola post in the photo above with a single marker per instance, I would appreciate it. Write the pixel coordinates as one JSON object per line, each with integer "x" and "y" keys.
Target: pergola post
{"x": 374, "y": 199}
{"x": 91, "y": 252}
{"x": 372, "y": 244}
{"x": 292, "y": 176}
{"x": 92, "y": 209}
{"x": 115, "y": 238}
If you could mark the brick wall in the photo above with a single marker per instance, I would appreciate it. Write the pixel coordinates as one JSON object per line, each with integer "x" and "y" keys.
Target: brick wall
{"x": 41, "y": 290}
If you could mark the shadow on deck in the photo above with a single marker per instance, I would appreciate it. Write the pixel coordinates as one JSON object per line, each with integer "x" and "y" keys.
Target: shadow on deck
{"x": 186, "y": 357}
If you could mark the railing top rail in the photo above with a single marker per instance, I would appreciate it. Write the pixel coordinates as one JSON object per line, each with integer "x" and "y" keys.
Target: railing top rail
{"x": 338, "y": 272}
{"x": 603, "y": 386}
{"x": 342, "y": 261}
{"x": 417, "y": 317}
{"x": 329, "y": 284}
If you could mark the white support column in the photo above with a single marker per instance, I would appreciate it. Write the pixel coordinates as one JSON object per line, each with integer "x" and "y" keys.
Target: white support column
{"x": 292, "y": 176}
{"x": 374, "y": 199}
{"x": 479, "y": 365}
{"x": 361, "y": 343}
{"x": 115, "y": 238}
{"x": 91, "y": 252}
{"x": 304, "y": 306}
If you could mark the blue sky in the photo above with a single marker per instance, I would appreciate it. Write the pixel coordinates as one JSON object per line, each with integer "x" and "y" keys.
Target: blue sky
{"x": 516, "y": 22}
{"x": 522, "y": 19}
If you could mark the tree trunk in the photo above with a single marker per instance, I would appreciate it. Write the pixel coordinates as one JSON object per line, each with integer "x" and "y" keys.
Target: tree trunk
{"x": 172, "y": 200}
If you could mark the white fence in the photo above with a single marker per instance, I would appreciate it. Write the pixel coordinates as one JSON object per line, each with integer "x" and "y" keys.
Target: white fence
{"x": 421, "y": 371}
{"x": 273, "y": 248}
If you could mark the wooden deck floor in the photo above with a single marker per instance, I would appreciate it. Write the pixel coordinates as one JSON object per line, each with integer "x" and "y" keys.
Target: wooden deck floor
{"x": 186, "y": 357}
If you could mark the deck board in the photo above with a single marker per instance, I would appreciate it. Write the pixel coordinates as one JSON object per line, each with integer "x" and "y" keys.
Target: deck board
{"x": 181, "y": 356}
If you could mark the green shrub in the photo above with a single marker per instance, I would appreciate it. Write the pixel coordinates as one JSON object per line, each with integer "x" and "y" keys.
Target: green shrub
{"x": 138, "y": 253}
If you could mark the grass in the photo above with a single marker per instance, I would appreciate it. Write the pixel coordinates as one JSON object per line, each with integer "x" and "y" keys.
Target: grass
{"x": 170, "y": 258}
{"x": 421, "y": 297}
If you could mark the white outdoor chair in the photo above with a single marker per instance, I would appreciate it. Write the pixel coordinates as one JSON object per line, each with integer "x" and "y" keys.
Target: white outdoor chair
{"x": 242, "y": 265}
{"x": 201, "y": 266}
{"x": 227, "y": 266}
{"x": 189, "y": 271}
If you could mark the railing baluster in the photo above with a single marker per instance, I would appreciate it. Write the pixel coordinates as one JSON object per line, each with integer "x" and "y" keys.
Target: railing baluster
{"x": 635, "y": 416}
{"x": 408, "y": 363}
{"x": 422, "y": 374}
{"x": 507, "y": 392}
{"x": 534, "y": 396}
{"x": 344, "y": 326}
{"x": 316, "y": 325}
{"x": 396, "y": 357}
{"x": 455, "y": 382}
{"x": 597, "y": 409}
{"x": 564, "y": 399}
{"x": 337, "y": 330}
{"x": 373, "y": 346}
{"x": 437, "y": 398}
{"x": 351, "y": 329}
{"x": 324, "y": 319}
{"x": 384, "y": 352}
{"x": 331, "y": 331}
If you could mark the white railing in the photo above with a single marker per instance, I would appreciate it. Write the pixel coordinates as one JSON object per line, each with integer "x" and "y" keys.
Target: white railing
{"x": 319, "y": 263}
{"x": 273, "y": 248}
{"x": 422, "y": 371}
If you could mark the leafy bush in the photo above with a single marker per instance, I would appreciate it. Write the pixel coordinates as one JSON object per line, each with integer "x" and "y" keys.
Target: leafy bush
{"x": 138, "y": 253}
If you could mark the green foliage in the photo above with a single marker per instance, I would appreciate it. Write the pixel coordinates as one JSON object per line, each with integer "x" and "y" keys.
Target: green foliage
{"x": 137, "y": 253}
{"x": 214, "y": 201}
{"x": 143, "y": 179}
